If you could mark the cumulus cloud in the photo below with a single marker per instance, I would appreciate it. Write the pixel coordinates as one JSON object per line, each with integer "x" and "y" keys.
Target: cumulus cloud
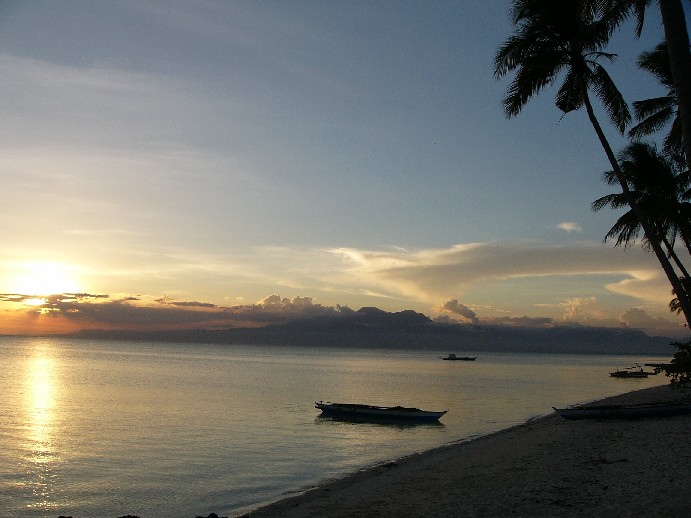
{"x": 639, "y": 319}
{"x": 581, "y": 308}
{"x": 278, "y": 301}
{"x": 454, "y": 307}
{"x": 570, "y": 226}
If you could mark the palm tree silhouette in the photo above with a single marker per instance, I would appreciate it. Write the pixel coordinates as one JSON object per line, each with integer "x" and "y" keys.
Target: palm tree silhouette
{"x": 568, "y": 37}
{"x": 659, "y": 191}
{"x": 654, "y": 114}
{"x": 677, "y": 38}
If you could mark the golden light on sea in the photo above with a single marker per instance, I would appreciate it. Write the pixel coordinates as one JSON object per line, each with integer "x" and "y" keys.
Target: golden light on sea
{"x": 39, "y": 403}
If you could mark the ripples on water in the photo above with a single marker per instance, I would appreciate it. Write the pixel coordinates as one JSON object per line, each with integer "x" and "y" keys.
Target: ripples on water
{"x": 103, "y": 429}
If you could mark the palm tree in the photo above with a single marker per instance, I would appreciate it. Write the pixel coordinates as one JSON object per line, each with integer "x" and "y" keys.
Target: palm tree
{"x": 555, "y": 37}
{"x": 653, "y": 114}
{"x": 568, "y": 37}
{"x": 659, "y": 191}
{"x": 677, "y": 38}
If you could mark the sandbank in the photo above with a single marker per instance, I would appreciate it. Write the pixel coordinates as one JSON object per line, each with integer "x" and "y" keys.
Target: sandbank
{"x": 545, "y": 467}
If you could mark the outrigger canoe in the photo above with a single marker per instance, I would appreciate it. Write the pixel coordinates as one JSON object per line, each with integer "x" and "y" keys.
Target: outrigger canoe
{"x": 357, "y": 411}
{"x": 452, "y": 357}
{"x": 640, "y": 411}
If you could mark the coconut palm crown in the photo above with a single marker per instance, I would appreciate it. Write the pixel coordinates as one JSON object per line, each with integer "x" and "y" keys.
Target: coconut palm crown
{"x": 659, "y": 191}
{"x": 566, "y": 38}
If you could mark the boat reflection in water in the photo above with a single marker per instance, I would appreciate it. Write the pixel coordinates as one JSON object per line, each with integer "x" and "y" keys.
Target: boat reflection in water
{"x": 371, "y": 413}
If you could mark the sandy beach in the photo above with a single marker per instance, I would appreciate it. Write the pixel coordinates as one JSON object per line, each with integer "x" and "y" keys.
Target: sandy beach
{"x": 545, "y": 467}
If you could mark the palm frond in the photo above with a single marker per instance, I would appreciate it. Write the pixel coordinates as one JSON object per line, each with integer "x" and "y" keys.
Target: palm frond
{"x": 615, "y": 201}
{"x": 638, "y": 8}
{"x": 610, "y": 178}
{"x": 626, "y": 230}
{"x": 656, "y": 62}
{"x": 648, "y": 107}
{"x": 570, "y": 95}
{"x": 532, "y": 76}
{"x": 611, "y": 98}
{"x": 673, "y": 144}
{"x": 652, "y": 123}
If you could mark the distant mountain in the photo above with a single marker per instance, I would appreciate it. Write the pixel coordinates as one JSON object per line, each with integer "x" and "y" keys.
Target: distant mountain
{"x": 371, "y": 327}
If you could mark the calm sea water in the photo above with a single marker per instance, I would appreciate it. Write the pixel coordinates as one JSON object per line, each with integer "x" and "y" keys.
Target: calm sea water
{"x": 104, "y": 429}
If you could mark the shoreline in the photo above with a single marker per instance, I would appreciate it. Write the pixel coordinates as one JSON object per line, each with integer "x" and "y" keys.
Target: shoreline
{"x": 546, "y": 466}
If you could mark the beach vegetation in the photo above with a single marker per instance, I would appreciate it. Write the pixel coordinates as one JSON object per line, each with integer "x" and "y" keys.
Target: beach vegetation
{"x": 679, "y": 369}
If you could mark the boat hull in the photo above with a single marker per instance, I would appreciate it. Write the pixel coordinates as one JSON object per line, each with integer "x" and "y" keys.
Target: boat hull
{"x": 369, "y": 412}
{"x": 624, "y": 411}
{"x": 630, "y": 375}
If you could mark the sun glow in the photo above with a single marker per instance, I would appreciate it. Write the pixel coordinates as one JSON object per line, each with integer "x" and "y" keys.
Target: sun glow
{"x": 40, "y": 279}
{"x": 39, "y": 301}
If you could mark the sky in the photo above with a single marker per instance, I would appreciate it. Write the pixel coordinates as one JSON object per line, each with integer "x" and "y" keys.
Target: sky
{"x": 171, "y": 163}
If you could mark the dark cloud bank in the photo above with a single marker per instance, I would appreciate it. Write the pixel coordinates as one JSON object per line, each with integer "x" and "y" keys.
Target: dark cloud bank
{"x": 278, "y": 321}
{"x": 371, "y": 327}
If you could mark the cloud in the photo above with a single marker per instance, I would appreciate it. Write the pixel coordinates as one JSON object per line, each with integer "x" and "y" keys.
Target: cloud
{"x": 50, "y": 300}
{"x": 454, "y": 307}
{"x": 579, "y": 282}
{"x": 427, "y": 275}
{"x": 652, "y": 283}
{"x": 639, "y": 319}
{"x": 581, "y": 309}
{"x": 71, "y": 102}
{"x": 278, "y": 301}
{"x": 133, "y": 313}
{"x": 570, "y": 226}
{"x": 519, "y": 321}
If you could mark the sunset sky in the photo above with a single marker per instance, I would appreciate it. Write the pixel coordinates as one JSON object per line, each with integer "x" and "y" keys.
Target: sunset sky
{"x": 199, "y": 163}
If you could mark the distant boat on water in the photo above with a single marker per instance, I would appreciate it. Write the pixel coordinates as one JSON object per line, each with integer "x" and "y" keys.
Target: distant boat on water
{"x": 355, "y": 411}
{"x": 631, "y": 372}
{"x": 640, "y": 411}
{"x": 453, "y": 357}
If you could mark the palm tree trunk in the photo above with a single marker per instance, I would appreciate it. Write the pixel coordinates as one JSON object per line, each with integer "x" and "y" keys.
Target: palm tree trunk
{"x": 654, "y": 239}
{"x": 677, "y": 37}
{"x": 671, "y": 253}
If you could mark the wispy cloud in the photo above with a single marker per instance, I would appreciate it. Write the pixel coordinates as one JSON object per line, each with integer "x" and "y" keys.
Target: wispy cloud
{"x": 434, "y": 274}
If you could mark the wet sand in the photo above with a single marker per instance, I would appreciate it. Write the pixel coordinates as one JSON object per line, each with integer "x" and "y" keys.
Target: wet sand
{"x": 545, "y": 467}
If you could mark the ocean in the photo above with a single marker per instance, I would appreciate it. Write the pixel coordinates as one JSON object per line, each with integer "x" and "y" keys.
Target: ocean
{"x": 109, "y": 428}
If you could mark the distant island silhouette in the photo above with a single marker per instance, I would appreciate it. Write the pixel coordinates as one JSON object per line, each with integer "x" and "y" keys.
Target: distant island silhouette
{"x": 374, "y": 328}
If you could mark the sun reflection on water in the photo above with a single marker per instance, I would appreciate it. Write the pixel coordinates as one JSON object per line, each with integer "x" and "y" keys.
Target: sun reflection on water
{"x": 39, "y": 404}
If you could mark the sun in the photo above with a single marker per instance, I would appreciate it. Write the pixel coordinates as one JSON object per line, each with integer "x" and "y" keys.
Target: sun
{"x": 40, "y": 279}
